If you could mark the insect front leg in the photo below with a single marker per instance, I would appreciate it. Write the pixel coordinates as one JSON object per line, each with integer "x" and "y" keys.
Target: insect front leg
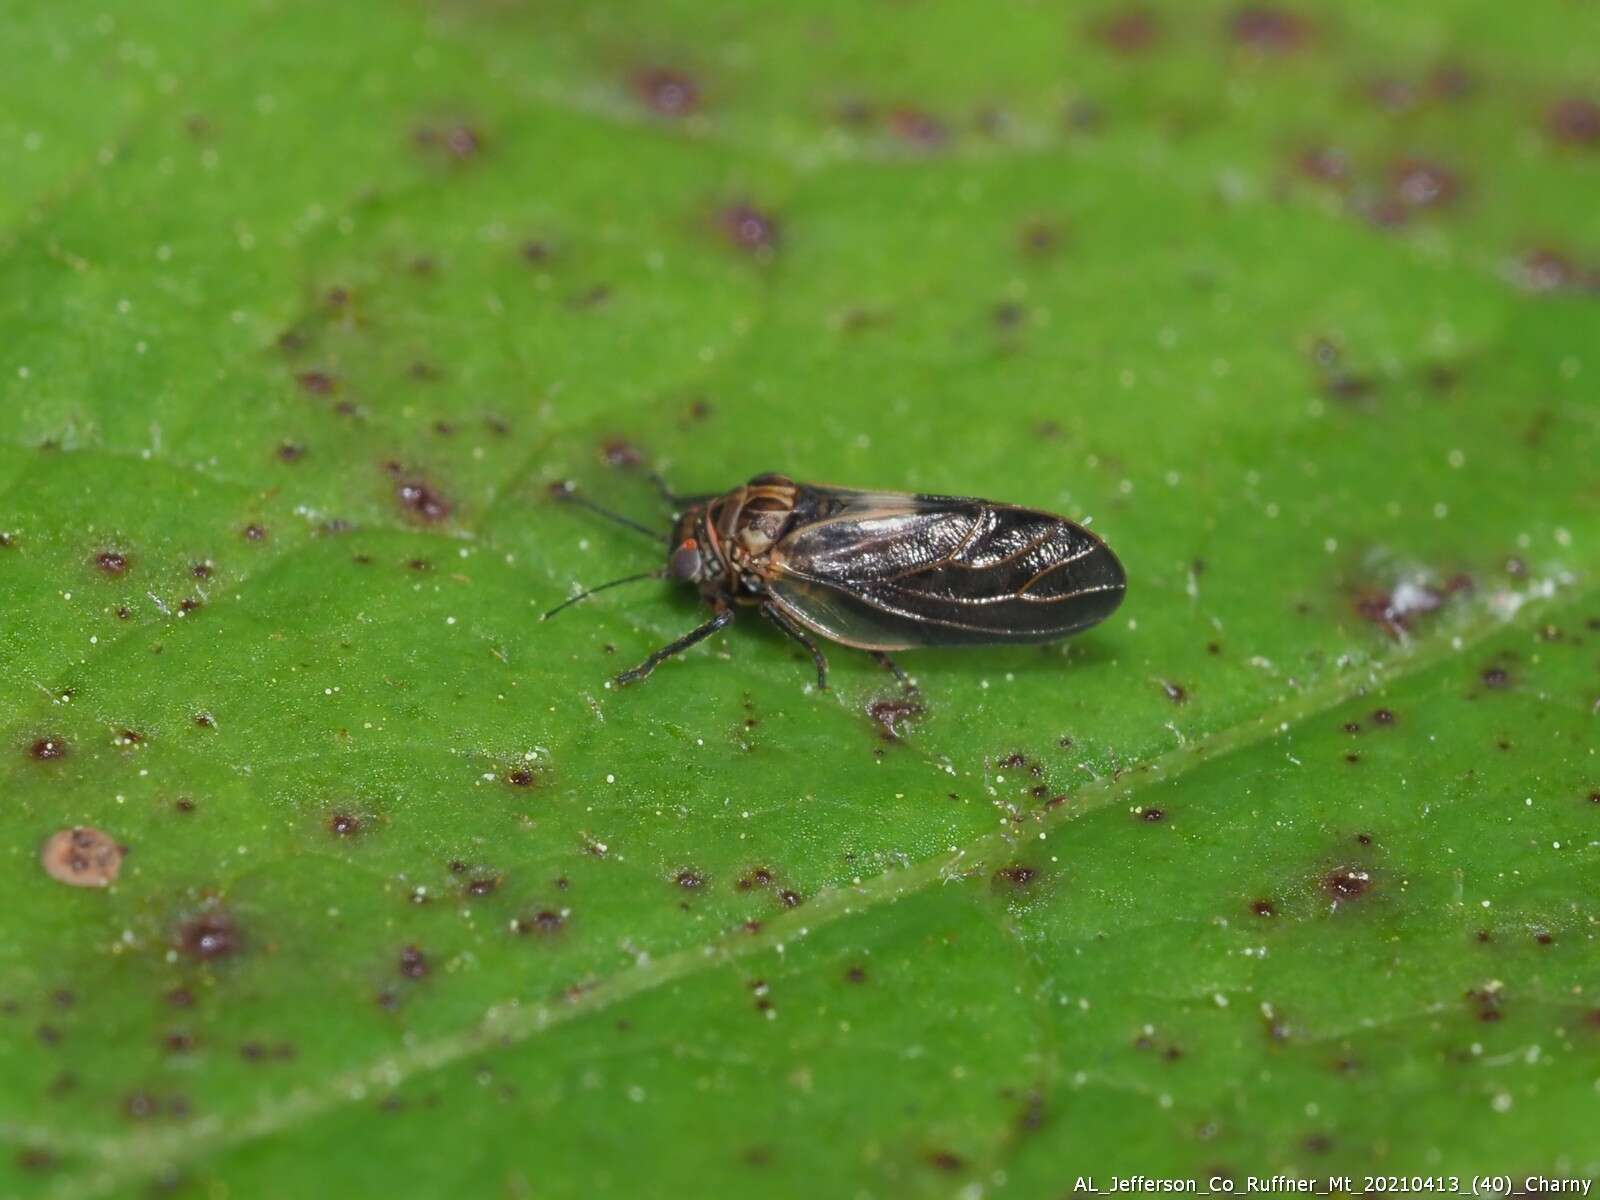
{"x": 723, "y": 617}
{"x": 776, "y": 616}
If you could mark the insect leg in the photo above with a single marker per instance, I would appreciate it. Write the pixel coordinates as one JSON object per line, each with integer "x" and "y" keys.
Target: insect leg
{"x": 672, "y": 497}
{"x": 694, "y": 635}
{"x": 794, "y": 631}
{"x": 889, "y": 664}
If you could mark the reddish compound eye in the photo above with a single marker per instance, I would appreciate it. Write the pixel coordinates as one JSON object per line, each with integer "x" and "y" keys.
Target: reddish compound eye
{"x": 685, "y": 561}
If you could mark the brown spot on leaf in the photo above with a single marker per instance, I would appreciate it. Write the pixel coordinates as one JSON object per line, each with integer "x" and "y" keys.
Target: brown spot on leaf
{"x": 748, "y": 228}
{"x": 1485, "y": 1003}
{"x": 690, "y": 880}
{"x": 47, "y": 748}
{"x": 421, "y": 500}
{"x": 545, "y": 921}
{"x": 1420, "y": 183}
{"x": 855, "y": 975}
{"x": 1268, "y": 29}
{"x": 1495, "y": 678}
{"x": 918, "y": 128}
{"x": 893, "y": 714}
{"x": 666, "y": 92}
{"x": 112, "y": 562}
{"x": 413, "y": 963}
{"x": 1263, "y": 908}
{"x": 344, "y": 825}
{"x": 1574, "y": 121}
{"x": 81, "y": 857}
{"x": 1015, "y": 876}
{"x": 1152, "y": 815}
{"x": 622, "y": 454}
{"x": 317, "y": 383}
{"x": 457, "y": 140}
{"x": 1131, "y": 31}
{"x": 210, "y": 935}
{"x": 1345, "y": 884}
{"x": 944, "y": 1160}
{"x": 1175, "y": 692}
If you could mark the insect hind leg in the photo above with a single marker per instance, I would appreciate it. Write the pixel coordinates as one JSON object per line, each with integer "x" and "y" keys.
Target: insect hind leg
{"x": 698, "y": 634}
{"x": 889, "y": 664}
{"x": 776, "y": 616}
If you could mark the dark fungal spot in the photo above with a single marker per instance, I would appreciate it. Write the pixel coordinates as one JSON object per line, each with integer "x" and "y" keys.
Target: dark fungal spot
{"x": 1345, "y": 884}
{"x": 1324, "y": 164}
{"x": 892, "y": 714}
{"x": 34, "y": 1158}
{"x": 413, "y": 964}
{"x": 545, "y": 921}
{"x": 254, "y": 533}
{"x": 179, "y": 997}
{"x": 1352, "y": 727}
{"x": 1364, "y": 839}
{"x": 1267, "y": 29}
{"x": 1152, "y": 815}
{"x": 1007, "y": 315}
{"x": 621, "y": 454}
{"x": 344, "y": 825}
{"x": 421, "y": 501}
{"x": 1543, "y": 270}
{"x": 183, "y": 804}
{"x": 205, "y": 720}
{"x": 855, "y": 975}
{"x": 48, "y": 748}
{"x": 758, "y": 878}
{"x": 522, "y": 777}
{"x": 457, "y": 140}
{"x": 210, "y": 935}
{"x": 1485, "y": 1003}
{"x": 918, "y": 128}
{"x": 1038, "y": 238}
{"x": 789, "y": 899}
{"x": 179, "y": 1041}
{"x": 1175, "y": 692}
{"x": 1543, "y": 937}
{"x": 666, "y": 92}
{"x": 1131, "y": 31}
{"x": 189, "y": 604}
{"x": 201, "y": 570}
{"x": 1263, "y": 908}
{"x": 1383, "y": 716}
{"x": 1015, "y": 876}
{"x": 317, "y": 383}
{"x": 1495, "y": 678}
{"x": 1420, "y": 183}
{"x": 1484, "y": 935}
{"x": 944, "y": 1160}
{"x": 1352, "y": 758}
{"x": 112, "y": 562}
{"x": 748, "y": 228}
{"x": 483, "y": 886}
{"x": 1574, "y": 121}
{"x": 690, "y": 880}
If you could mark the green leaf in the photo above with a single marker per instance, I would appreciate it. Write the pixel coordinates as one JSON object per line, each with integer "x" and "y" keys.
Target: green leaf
{"x": 1286, "y": 868}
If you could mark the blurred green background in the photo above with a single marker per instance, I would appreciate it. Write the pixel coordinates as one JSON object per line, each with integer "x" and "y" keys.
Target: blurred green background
{"x": 1289, "y": 867}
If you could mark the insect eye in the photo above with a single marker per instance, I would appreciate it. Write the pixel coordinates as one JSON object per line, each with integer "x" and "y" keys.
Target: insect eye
{"x": 685, "y": 561}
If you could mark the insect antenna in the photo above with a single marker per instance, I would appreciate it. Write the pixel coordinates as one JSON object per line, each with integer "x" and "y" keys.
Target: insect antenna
{"x": 600, "y": 588}
{"x": 564, "y": 492}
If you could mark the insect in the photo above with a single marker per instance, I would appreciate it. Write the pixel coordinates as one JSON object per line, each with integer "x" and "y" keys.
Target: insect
{"x": 879, "y": 571}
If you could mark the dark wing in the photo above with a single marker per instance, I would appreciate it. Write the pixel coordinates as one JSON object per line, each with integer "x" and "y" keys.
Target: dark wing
{"x": 889, "y": 571}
